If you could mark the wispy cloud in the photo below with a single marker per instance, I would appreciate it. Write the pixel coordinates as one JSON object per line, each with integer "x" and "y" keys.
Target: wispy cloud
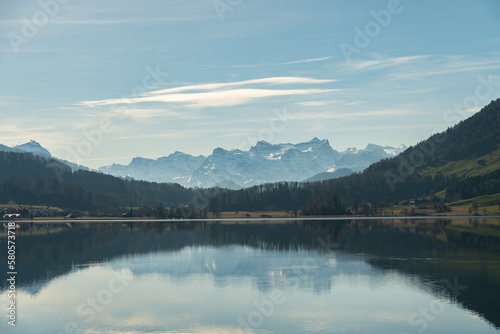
{"x": 355, "y": 103}
{"x": 265, "y": 81}
{"x": 221, "y": 94}
{"x": 383, "y": 62}
{"x": 347, "y": 116}
{"x": 293, "y": 62}
{"x": 318, "y": 103}
{"x": 107, "y": 21}
{"x": 421, "y": 66}
{"x": 144, "y": 114}
{"x": 224, "y": 98}
{"x": 445, "y": 65}
{"x": 127, "y": 21}
{"x": 311, "y": 60}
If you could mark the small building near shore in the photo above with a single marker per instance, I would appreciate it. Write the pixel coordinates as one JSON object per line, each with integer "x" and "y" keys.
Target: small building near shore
{"x": 12, "y": 215}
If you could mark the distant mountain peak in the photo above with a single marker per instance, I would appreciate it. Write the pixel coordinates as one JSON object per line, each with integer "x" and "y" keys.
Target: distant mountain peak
{"x": 263, "y": 146}
{"x": 371, "y": 147}
{"x": 29, "y": 141}
{"x": 34, "y": 147}
{"x": 176, "y": 153}
{"x": 316, "y": 141}
{"x": 219, "y": 150}
{"x": 140, "y": 160}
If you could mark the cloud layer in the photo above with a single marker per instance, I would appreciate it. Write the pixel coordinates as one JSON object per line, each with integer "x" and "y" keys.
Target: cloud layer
{"x": 222, "y": 94}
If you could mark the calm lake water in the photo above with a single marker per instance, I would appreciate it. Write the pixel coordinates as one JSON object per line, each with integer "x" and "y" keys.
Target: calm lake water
{"x": 346, "y": 276}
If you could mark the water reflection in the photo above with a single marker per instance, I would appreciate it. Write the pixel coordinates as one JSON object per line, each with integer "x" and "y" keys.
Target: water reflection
{"x": 343, "y": 276}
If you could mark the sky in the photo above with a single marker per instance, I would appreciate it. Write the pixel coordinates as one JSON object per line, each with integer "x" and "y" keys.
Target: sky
{"x": 101, "y": 82}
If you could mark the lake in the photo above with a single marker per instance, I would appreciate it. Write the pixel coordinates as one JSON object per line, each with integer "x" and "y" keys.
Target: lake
{"x": 302, "y": 276}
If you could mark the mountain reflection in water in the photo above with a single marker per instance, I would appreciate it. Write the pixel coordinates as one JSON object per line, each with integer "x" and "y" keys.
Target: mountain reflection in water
{"x": 454, "y": 260}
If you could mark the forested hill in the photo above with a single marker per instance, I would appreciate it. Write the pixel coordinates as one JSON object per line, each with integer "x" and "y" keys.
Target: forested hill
{"x": 459, "y": 163}
{"x": 29, "y": 179}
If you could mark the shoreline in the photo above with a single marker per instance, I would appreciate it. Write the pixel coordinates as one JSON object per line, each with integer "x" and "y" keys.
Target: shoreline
{"x": 250, "y": 219}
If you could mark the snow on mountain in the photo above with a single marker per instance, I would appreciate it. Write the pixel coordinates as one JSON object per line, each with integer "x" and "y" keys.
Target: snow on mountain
{"x": 35, "y": 148}
{"x": 265, "y": 163}
{"x": 177, "y": 167}
{"x": 32, "y": 146}
{"x": 262, "y": 163}
{"x": 330, "y": 175}
{"x": 358, "y": 160}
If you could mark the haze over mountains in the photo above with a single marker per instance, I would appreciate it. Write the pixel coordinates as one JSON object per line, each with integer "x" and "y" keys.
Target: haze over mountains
{"x": 31, "y": 146}
{"x": 262, "y": 163}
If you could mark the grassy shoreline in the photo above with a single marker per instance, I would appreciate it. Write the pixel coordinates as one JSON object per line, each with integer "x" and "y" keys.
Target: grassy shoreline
{"x": 486, "y": 206}
{"x": 225, "y": 216}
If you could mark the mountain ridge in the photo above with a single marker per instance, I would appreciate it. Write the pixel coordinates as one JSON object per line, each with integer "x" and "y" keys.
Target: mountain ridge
{"x": 34, "y": 147}
{"x": 235, "y": 169}
{"x": 262, "y": 163}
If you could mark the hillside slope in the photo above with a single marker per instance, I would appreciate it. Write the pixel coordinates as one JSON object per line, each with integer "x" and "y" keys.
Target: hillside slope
{"x": 29, "y": 179}
{"x": 440, "y": 164}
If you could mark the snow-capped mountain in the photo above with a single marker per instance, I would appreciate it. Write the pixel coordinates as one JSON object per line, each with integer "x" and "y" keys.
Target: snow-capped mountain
{"x": 358, "y": 160}
{"x": 265, "y": 163}
{"x": 177, "y": 167}
{"x": 262, "y": 163}
{"x": 32, "y": 146}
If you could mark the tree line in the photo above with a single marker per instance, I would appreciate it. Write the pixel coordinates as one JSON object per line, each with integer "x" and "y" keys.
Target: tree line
{"x": 30, "y": 179}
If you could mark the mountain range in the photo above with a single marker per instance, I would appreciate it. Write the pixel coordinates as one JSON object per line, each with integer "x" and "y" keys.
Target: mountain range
{"x": 262, "y": 163}
{"x": 314, "y": 160}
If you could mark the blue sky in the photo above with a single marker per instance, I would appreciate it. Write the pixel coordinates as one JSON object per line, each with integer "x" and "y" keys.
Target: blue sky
{"x": 147, "y": 78}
